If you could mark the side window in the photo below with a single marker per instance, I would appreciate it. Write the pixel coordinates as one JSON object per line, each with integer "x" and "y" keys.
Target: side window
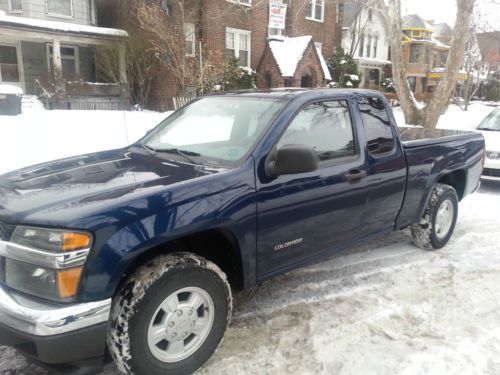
{"x": 326, "y": 127}
{"x": 379, "y": 137}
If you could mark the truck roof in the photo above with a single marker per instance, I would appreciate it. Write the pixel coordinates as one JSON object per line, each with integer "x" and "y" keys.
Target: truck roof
{"x": 288, "y": 93}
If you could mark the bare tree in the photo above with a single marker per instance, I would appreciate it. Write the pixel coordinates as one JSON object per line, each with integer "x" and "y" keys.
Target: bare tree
{"x": 429, "y": 115}
{"x": 140, "y": 65}
{"x": 168, "y": 39}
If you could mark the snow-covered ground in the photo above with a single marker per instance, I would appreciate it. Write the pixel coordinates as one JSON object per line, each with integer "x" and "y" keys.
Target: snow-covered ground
{"x": 39, "y": 135}
{"x": 385, "y": 307}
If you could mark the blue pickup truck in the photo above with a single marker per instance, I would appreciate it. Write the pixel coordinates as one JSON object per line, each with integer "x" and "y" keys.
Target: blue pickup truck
{"x": 135, "y": 252}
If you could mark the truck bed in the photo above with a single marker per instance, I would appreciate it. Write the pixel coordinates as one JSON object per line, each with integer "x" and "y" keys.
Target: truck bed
{"x": 432, "y": 153}
{"x": 416, "y": 136}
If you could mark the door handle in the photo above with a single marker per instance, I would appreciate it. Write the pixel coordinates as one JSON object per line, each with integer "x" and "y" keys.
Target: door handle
{"x": 354, "y": 175}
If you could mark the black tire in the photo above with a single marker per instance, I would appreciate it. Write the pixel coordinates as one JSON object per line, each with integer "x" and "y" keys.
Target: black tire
{"x": 138, "y": 301}
{"x": 426, "y": 234}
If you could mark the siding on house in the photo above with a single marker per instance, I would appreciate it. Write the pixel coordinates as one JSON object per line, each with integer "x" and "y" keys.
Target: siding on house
{"x": 36, "y": 9}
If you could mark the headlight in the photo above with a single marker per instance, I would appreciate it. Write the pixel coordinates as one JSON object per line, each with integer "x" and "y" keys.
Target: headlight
{"x": 55, "y": 285}
{"x": 44, "y": 262}
{"x": 50, "y": 239}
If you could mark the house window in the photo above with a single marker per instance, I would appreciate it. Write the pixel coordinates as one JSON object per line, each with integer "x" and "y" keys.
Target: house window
{"x": 69, "y": 60}
{"x": 59, "y": 7}
{"x": 9, "y": 68}
{"x": 340, "y": 10}
{"x": 189, "y": 36}
{"x": 92, "y": 14}
{"x": 272, "y": 31}
{"x": 375, "y": 45}
{"x": 316, "y": 10}
{"x": 165, "y": 6}
{"x": 370, "y": 15}
{"x": 15, "y": 6}
{"x": 361, "y": 44}
{"x": 414, "y": 51}
{"x": 242, "y": 2}
{"x": 238, "y": 45}
{"x": 427, "y": 54}
{"x": 368, "y": 45}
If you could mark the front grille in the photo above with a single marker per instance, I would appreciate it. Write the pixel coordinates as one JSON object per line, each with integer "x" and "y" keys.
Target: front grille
{"x": 490, "y": 172}
{"x": 5, "y": 231}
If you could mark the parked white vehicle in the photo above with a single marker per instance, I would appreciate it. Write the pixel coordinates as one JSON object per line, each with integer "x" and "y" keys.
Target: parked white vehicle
{"x": 490, "y": 128}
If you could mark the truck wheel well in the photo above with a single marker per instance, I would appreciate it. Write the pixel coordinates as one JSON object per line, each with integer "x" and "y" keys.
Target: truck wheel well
{"x": 217, "y": 245}
{"x": 457, "y": 180}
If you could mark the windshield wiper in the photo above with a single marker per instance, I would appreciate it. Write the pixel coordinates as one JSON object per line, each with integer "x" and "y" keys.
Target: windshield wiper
{"x": 488, "y": 129}
{"x": 184, "y": 153}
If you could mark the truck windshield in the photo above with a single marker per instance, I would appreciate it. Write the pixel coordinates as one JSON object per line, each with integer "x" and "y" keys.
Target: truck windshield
{"x": 491, "y": 122}
{"x": 215, "y": 130}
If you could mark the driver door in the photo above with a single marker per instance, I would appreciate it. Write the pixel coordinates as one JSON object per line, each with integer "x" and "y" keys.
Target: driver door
{"x": 302, "y": 216}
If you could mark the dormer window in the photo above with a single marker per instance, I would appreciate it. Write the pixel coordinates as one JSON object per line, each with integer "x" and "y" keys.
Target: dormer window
{"x": 316, "y": 10}
{"x": 62, "y": 8}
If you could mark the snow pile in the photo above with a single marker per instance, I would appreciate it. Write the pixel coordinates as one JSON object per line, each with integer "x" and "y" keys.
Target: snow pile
{"x": 39, "y": 136}
{"x": 454, "y": 117}
{"x": 10, "y": 89}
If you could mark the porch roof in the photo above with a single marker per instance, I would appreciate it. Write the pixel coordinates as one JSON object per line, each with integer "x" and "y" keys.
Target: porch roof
{"x": 46, "y": 30}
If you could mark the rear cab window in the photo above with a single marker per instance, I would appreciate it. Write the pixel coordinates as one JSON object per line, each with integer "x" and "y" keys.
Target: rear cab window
{"x": 380, "y": 139}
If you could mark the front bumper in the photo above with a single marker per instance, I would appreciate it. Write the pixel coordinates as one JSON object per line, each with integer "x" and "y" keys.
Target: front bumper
{"x": 491, "y": 169}
{"x": 53, "y": 333}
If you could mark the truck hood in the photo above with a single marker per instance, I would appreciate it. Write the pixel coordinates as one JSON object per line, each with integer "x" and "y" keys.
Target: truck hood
{"x": 71, "y": 188}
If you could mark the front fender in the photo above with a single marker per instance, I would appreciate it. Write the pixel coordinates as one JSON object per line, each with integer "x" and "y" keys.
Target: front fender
{"x": 232, "y": 209}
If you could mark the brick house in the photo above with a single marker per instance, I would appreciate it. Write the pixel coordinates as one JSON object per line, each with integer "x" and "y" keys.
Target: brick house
{"x": 239, "y": 28}
{"x": 425, "y": 51}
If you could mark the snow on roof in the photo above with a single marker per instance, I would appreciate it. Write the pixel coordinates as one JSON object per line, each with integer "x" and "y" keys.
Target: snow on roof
{"x": 372, "y": 61}
{"x": 328, "y": 77}
{"x": 10, "y": 89}
{"x": 288, "y": 51}
{"x": 438, "y": 43}
{"x": 59, "y": 26}
{"x": 443, "y": 29}
{"x": 415, "y": 21}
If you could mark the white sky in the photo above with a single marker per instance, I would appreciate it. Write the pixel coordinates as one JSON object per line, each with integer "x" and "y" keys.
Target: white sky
{"x": 445, "y": 11}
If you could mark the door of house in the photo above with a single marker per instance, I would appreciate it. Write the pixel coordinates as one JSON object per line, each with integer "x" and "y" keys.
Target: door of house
{"x": 10, "y": 69}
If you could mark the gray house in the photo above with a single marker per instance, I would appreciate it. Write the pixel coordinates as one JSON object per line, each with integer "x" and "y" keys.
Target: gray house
{"x": 42, "y": 40}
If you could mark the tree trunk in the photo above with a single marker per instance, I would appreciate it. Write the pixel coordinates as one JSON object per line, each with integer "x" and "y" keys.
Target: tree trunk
{"x": 409, "y": 106}
{"x": 429, "y": 116}
{"x": 440, "y": 99}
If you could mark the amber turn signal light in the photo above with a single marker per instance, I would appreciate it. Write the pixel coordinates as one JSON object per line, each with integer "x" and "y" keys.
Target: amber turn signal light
{"x": 67, "y": 281}
{"x": 75, "y": 241}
